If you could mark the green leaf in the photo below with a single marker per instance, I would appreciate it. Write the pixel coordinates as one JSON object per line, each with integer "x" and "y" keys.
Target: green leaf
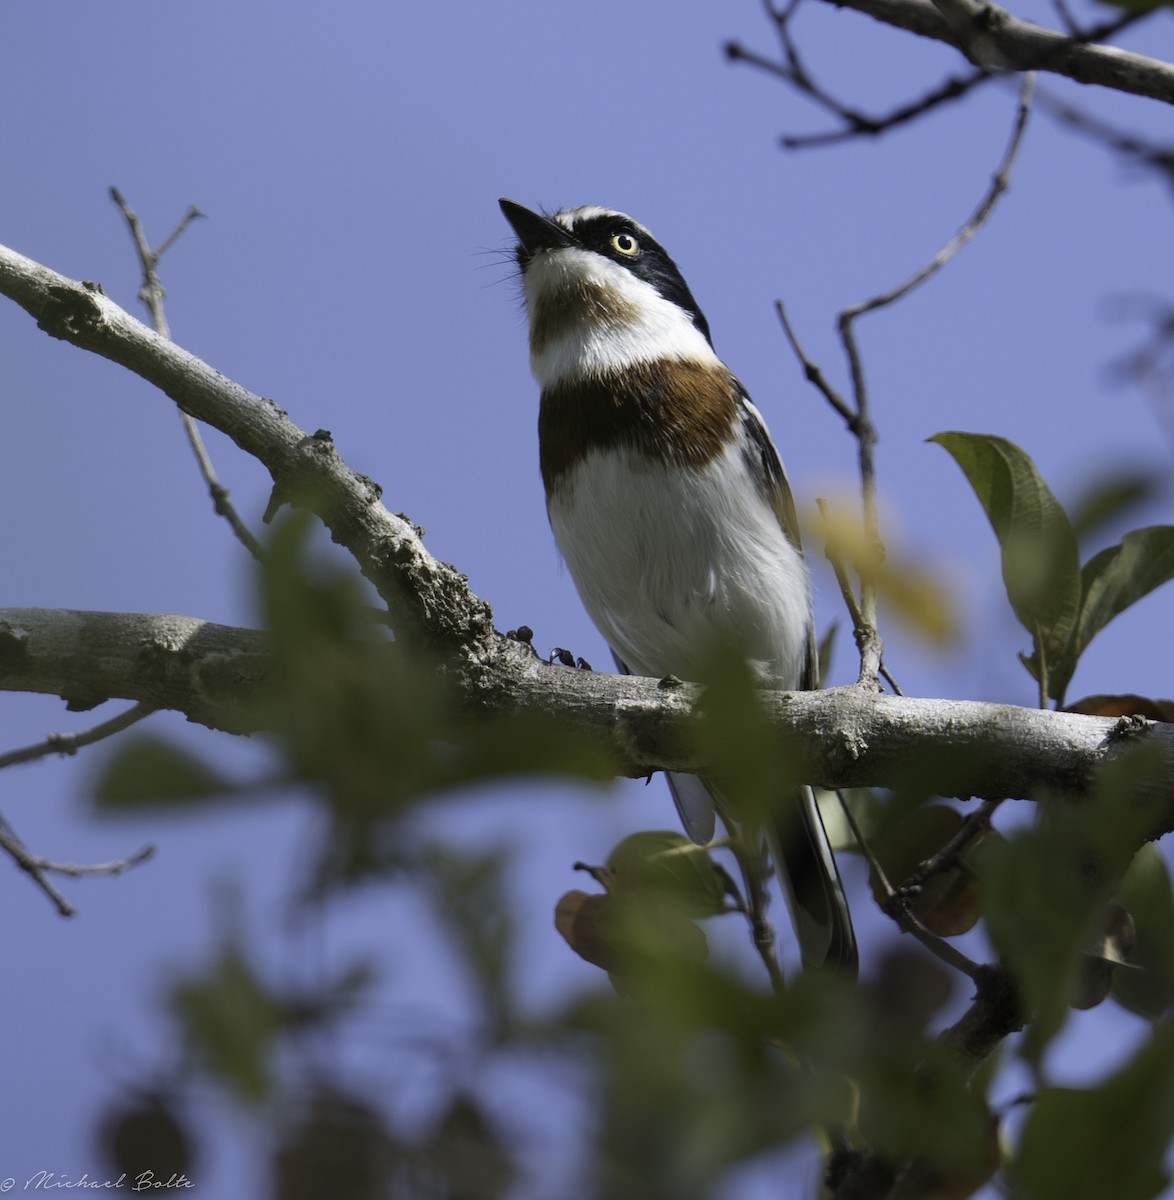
{"x": 691, "y": 1081}
{"x": 373, "y": 725}
{"x": 468, "y": 1153}
{"x": 150, "y": 770}
{"x": 1041, "y": 566}
{"x": 1103, "y": 1141}
{"x": 670, "y": 867}
{"x": 1146, "y": 893}
{"x": 1108, "y": 497}
{"x": 470, "y": 896}
{"x": 747, "y": 762}
{"x": 1045, "y": 888}
{"x": 916, "y": 1104}
{"x": 1113, "y": 580}
{"x": 232, "y": 1019}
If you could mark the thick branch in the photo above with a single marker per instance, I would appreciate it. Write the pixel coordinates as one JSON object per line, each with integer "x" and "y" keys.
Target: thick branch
{"x": 429, "y": 600}
{"x": 1025, "y": 46}
{"x": 842, "y": 737}
{"x": 208, "y": 672}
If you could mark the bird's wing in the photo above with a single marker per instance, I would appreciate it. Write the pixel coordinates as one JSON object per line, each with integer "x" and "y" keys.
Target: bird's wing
{"x": 767, "y": 468}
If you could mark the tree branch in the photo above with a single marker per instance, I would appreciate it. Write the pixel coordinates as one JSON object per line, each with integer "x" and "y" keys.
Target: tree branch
{"x": 207, "y": 672}
{"x": 1026, "y": 47}
{"x": 39, "y": 869}
{"x": 841, "y": 737}
{"x": 67, "y": 744}
{"x": 152, "y": 294}
{"x": 429, "y": 600}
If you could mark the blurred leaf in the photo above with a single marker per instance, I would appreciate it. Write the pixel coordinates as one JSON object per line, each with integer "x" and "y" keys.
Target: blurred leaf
{"x": 469, "y": 1155}
{"x": 633, "y": 940}
{"x": 232, "y": 1020}
{"x": 147, "y": 771}
{"x": 748, "y": 762}
{"x": 907, "y": 990}
{"x": 1045, "y": 889}
{"x": 1109, "y": 497}
{"x": 1146, "y": 893}
{"x": 660, "y": 864}
{"x": 339, "y": 1147}
{"x": 372, "y": 725}
{"x": 910, "y": 591}
{"x": 1105, "y": 1141}
{"x": 1111, "y": 581}
{"x": 835, "y": 821}
{"x": 470, "y": 896}
{"x": 923, "y": 1180}
{"x": 1108, "y": 950}
{"x": 870, "y": 812}
{"x": 146, "y": 1136}
{"x": 919, "y": 599}
{"x": 824, "y": 652}
{"x": 1124, "y": 706}
{"x": 947, "y": 902}
{"x": 333, "y": 999}
{"x": 692, "y": 1083}
{"x": 583, "y": 919}
{"x": 916, "y": 1104}
{"x": 1041, "y": 567}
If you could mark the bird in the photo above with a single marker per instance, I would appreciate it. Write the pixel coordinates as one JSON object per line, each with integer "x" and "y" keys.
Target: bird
{"x": 670, "y": 507}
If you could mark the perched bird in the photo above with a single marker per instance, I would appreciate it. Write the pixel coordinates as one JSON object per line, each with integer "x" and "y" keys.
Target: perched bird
{"x": 670, "y": 505}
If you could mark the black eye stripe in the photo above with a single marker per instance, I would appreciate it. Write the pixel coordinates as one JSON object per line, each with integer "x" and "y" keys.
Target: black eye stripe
{"x": 651, "y": 263}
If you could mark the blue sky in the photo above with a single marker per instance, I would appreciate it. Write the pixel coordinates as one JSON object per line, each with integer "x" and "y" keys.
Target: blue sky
{"x": 349, "y": 159}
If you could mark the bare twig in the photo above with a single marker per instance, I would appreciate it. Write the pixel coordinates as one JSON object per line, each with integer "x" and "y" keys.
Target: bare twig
{"x": 1071, "y": 26}
{"x": 862, "y": 610}
{"x": 857, "y": 415}
{"x": 897, "y": 905}
{"x": 67, "y": 744}
{"x": 947, "y": 855}
{"x": 1156, "y": 156}
{"x": 855, "y": 123}
{"x": 1150, "y": 365}
{"x": 954, "y": 87}
{"x": 152, "y": 294}
{"x": 840, "y": 570}
{"x": 989, "y": 36}
{"x": 1000, "y": 181}
{"x": 813, "y": 373}
{"x": 868, "y": 635}
{"x": 1041, "y": 664}
{"x": 752, "y": 906}
{"x": 888, "y": 678}
{"x": 872, "y": 648}
{"x": 38, "y": 868}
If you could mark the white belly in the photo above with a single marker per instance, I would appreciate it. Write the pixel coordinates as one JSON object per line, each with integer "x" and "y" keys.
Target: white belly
{"x": 667, "y": 560}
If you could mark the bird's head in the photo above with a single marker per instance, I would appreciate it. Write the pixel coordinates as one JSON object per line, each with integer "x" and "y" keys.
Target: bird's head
{"x": 601, "y": 294}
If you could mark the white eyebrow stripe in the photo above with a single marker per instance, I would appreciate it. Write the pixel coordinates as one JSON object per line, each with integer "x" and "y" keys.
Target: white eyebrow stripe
{"x": 569, "y": 217}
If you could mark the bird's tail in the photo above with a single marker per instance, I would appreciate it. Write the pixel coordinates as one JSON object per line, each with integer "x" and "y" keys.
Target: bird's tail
{"x": 804, "y": 863}
{"x": 811, "y": 883}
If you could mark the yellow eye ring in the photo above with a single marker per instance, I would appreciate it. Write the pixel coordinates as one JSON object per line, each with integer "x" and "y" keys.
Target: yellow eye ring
{"x": 626, "y": 244}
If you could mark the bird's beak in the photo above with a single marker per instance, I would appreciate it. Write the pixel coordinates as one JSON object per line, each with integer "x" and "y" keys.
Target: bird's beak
{"x": 535, "y": 231}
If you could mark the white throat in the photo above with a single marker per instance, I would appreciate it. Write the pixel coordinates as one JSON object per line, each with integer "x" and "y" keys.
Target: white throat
{"x": 604, "y": 318}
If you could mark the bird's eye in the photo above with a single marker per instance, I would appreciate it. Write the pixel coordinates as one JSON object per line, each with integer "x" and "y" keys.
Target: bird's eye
{"x": 626, "y": 244}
